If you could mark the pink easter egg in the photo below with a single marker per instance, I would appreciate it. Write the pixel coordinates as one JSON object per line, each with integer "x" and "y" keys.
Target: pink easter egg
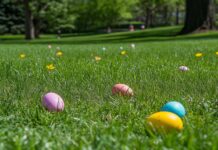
{"x": 53, "y": 102}
{"x": 122, "y": 89}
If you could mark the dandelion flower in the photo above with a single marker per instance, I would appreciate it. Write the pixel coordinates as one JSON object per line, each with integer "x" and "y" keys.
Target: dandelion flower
{"x": 97, "y": 58}
{"x": 123, "y": 52}
{"x": 50, "y": 67}
{"x": 198, "y": 55}
{"x": 217, "y": 53}
{"x": 22, "y": 56}
{"x": 59, "y": 53}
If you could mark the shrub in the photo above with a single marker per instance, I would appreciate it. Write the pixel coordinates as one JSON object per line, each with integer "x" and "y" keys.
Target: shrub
{"x": 17, "y": 29}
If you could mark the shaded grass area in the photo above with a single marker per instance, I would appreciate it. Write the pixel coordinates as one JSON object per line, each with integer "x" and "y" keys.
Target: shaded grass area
{"x": 93, "y": 118}
{"x": 151, "y": 35}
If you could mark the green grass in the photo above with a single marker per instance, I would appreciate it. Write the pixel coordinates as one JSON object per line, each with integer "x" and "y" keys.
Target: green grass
{"x": 164, "y": 34}
{"x": 93, "y": 118}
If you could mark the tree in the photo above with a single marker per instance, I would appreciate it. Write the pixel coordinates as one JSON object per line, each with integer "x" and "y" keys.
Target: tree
{"x": 157, "y": 11}
{"x": 45, "y": 13}
{"x": 93, "y": 14}
{"x": 59, "y": 16}
{"x": 147, "y": 8}
{"x": 11, "y": 17}
{"x": 200, "y": 15}
{"x": 29, "y": 26}
{"x": 179, "y": 5}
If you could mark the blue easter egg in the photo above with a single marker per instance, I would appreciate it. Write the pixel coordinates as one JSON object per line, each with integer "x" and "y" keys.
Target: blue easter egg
{"x": 174, "y": 107}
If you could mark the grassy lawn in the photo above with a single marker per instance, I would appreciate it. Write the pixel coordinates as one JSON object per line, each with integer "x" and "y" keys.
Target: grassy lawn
{"x": 93, "y": 118}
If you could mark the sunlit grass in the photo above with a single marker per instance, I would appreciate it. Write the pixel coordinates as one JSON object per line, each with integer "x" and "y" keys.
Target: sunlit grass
{"x": 93, "y": 118}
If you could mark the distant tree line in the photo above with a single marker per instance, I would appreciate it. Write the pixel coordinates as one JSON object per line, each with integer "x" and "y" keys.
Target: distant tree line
{"x": 11, "y": 17}
{"x": 34, "y": 17}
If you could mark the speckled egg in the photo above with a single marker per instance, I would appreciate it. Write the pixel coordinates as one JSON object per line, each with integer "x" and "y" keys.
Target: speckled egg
{"x": 122, "y": 89}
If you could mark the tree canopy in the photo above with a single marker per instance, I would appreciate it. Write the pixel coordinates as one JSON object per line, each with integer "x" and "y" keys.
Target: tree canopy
{"x": 67, "y": 16}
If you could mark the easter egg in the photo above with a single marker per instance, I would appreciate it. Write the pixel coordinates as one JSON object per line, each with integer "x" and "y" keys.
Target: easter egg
{"x": 53, "y": 102}
{"x": 133, "y": 46}
{"x": 174, "y": 107}
{"x": 165, "y": 121}
{"x": 183, "y": 68}
{"x": 122, "y": 89}
{"x": 49, "y": 46}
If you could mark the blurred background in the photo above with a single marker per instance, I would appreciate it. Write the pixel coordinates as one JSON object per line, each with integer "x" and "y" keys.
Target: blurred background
{"x": 35, "y": 17}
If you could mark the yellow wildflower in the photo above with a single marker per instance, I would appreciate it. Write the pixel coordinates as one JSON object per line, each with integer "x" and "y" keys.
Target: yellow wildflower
{"x": 50, "y": 67}
{"x": 217, "y": 53}
{"x": 97, "y": 58}
{"x": 59, "y": 53}
{"x": 22, "y": 56}
{"x": 198, "y": 55}
{"x": 123, "y": 52}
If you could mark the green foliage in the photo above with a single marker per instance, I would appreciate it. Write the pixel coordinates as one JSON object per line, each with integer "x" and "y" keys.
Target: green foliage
{"x": 102, "y": 13}
{"x": 83, "y": 15}
{"x": 60, "y": 16}
{"x": 53, "y": 15}
{"x": 162, "y": 12}
{"x": 3, "y": 29}
{"x": 11, "y": 17}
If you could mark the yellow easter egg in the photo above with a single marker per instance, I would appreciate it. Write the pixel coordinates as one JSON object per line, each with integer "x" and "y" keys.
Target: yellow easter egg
{"x": 165, "y": 121}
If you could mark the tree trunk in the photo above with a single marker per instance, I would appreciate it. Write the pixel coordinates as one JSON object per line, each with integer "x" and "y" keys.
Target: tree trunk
{"x": 37, "y": 27}
{"x": 199, "y": 16}
{"x": 165, "y": 15}
{"x": 177, "y": 15}
{"x": 148, "y": 18}
{"x": 151, "y": 19}
{"x": 29, "y": 26}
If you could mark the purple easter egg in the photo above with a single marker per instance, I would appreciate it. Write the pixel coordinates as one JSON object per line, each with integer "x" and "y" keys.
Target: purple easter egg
{"x": 53, "y": 102}
{"x": 183, "y": 68}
